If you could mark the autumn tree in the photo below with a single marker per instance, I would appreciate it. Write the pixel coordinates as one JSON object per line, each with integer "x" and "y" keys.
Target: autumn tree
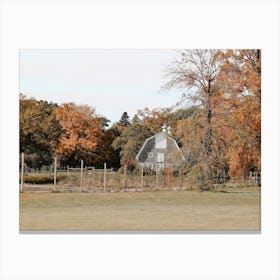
{"x": 241, "y": 78}
{"x": 225, "y": 86}
{"x": 154, "y": 119}
{"x": 104, "y": 151}
{"x": 196, "y": 72}
{"x": 130, "y": 142}
{"x": 183, "y": 113}
{"x": 39, "y": 131}
{"x": 81, "y": 130}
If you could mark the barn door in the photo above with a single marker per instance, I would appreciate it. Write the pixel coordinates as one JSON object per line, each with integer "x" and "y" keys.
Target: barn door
{"x": 160, "y": 157}
{"x": 160, "y": 161}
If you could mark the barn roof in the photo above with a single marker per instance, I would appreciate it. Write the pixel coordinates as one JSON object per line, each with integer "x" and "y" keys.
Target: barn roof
{"x": 147, "y": 140}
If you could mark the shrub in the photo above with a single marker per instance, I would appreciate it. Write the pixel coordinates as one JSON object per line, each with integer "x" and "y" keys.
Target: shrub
{"x": 130, "y": 167}
{"x": 170, "y": 171}
{"x": 42, "y": 178}
{"x": 197, "y": 179}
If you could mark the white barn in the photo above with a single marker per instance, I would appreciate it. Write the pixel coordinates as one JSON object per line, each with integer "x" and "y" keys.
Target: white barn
{"x": 160, "y": 151}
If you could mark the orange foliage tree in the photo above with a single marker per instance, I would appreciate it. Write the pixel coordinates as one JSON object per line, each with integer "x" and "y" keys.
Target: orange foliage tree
{"x": 154, "y": 119}
{"x": 81, "y": 131}
{"x": 39, "y": 131}
{"x": 241, "y": 78}
{"x": 224, "y": 132}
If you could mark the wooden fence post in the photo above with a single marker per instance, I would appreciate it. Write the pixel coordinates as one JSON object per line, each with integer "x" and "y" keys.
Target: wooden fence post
{"x": 81, "y": 183}
{"x": 104, "y": 180}
{"x": 124, "y": 177}
{"x": 54, "y": 172}
{"x": 68, "y": 170}
{"x": 22, "y": 171}
{"x": 181, "y": 180}
{"x": 142, "y": 174}
{"x": 156, "y": 178}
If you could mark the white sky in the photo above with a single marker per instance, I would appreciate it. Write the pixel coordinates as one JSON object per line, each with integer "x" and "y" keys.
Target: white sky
{"x": 112, "y": 81}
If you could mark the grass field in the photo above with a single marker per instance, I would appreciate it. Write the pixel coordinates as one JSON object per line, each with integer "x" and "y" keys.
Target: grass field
{"x": 147, "y": 211}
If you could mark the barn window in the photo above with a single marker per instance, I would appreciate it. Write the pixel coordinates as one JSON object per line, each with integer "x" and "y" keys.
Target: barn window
{"x": 150, "y": 155}
{"x": 160, "y": 157}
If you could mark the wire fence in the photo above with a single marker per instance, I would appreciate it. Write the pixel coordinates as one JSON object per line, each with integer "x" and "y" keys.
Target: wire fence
{"x": 91, "y": 179}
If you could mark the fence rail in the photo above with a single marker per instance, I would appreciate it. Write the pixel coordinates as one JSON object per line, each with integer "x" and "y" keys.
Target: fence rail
{"x": 91, "y": 179}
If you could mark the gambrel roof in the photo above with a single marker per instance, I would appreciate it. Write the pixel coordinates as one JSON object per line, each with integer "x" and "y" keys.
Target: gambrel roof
{"x": 154, "y": 136}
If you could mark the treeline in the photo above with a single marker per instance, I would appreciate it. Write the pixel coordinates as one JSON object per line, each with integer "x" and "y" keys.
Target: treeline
{"x": 217, "y": 123}
{"x": 74, "y": 132}
{"x": 68, "y": 131}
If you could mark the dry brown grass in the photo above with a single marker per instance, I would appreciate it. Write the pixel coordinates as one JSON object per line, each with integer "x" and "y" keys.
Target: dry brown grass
{"x": 147, "y": 211}
{"x": 115, "y": 180}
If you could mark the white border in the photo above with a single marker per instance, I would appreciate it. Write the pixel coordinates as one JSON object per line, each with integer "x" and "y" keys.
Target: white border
{"x": 156, "y": 24}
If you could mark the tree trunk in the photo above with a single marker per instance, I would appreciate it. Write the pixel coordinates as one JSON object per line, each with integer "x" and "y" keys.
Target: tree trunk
{"x": 207, "y": 147}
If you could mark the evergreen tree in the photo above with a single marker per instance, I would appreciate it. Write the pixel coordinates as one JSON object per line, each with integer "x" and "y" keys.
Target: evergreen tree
{"x": 130, "y": 142}
{"x": 124, "y": 121}
{"x": 135, "y": 119}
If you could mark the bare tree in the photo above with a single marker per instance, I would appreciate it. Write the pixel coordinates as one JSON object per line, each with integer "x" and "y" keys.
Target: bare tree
{"x": 196, "y": 72}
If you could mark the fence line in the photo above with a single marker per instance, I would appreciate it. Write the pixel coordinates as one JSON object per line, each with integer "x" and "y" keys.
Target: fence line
{"x": 54, "y": 174}
{"x": 82, "y": 163}
{"x": 22, "y": 171}
{"x": 114, "y": 180}
{"x": 124, "y": 177}
{"x": 142, "y": 175}
{"x": 156, "y": 180}
{"x": 104, "y": 180}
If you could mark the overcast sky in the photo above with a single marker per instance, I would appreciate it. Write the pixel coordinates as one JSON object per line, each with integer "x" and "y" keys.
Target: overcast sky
{"x": 112, "y": 81}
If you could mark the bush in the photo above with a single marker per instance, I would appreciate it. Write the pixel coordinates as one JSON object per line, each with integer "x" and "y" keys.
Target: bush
{"x": 170, "y": 171}
{"x": 198, "y": 180}
{"x": 130, "y": 167}
{"x": 42, "y": 178}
